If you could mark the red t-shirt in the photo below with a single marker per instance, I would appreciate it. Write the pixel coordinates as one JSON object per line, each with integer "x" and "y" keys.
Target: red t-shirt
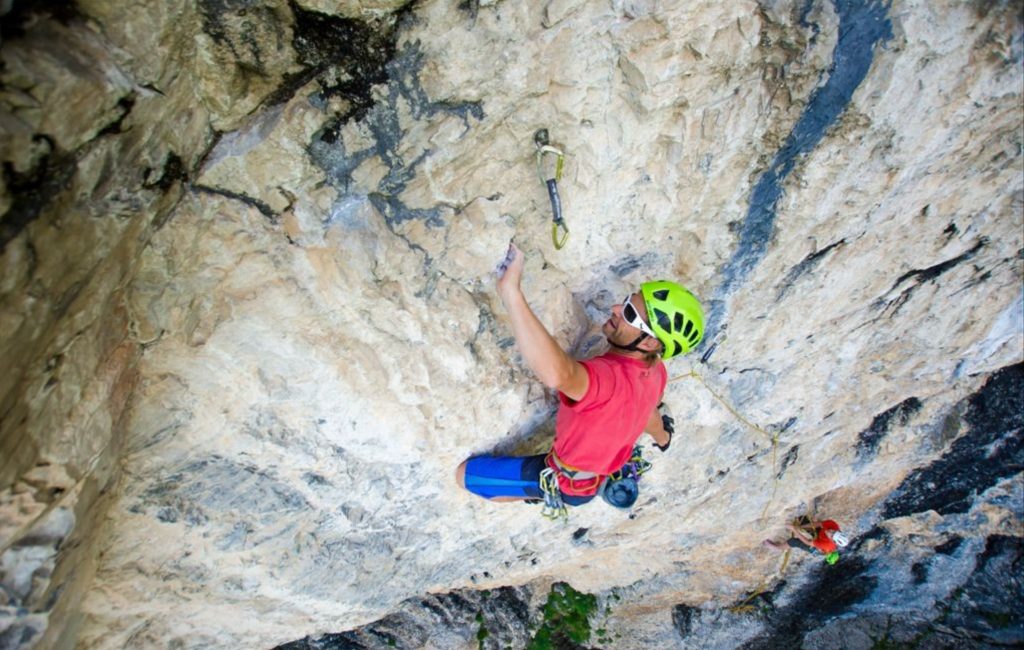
{"x": 597, "y": 433}
{"x": 822, "y": 542}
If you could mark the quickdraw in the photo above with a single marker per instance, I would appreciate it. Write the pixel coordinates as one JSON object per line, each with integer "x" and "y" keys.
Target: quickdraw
{"x": 547, "y": 152}
{"x": 554, "y": 507}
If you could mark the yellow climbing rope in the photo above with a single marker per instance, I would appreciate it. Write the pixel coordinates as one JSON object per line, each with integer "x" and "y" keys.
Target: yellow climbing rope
{"x": 696, "y": 375}
{"x": 745, "y": 605}
{"x": 772, "y": 437}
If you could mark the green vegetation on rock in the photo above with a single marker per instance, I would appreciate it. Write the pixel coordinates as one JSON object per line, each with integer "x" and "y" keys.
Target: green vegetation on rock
{"x": 566, "y": 619}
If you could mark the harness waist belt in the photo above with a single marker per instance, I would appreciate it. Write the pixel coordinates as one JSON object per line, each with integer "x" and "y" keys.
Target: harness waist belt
{"x": 568, "y": 470}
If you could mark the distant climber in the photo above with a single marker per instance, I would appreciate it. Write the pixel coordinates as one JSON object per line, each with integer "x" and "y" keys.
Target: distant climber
{"x": 605, "y": 403}
{"x": 810, "y": 535}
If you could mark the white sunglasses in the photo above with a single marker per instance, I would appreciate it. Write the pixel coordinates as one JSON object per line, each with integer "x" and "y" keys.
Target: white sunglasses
{"x": 632, "y": 316}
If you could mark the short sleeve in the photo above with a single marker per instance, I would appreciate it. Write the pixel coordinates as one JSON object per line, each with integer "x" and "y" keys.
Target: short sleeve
{"x": 600, "y": 385}
{"x": 828, "y": 524}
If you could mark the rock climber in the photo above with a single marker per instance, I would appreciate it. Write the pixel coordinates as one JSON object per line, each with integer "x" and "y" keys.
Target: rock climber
{"x": 809, "y": 535}
{"x": 605, "y": 403}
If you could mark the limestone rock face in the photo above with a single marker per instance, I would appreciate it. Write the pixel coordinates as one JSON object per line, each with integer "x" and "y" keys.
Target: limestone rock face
{"x": 250, "y": 326}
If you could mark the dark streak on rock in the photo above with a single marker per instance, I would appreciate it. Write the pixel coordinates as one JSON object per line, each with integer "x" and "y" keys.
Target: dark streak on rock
{"x": 682, "y": 619}
{"x": 985, "y": 611}
{"x": 630, "y": 263}
{"x": 233, "y": 24}
{"x": 396, "y": 212}
{"x": 788, "y": 460}
{"x": 504, "y": 611}
{"x": 981, "y": 276}
{"x": 831, "y": 591}
{"x": 33, "y": 190}
{"x": 862, "y": 25}
{"x": 173, "y": 171}
{"x": 920, "y": 276}
{"x": 12, "y": 24}
{"x": 315, "y": 480}
{"x": 785, "y": 426}
{"x": 358, "y": 49}
{"x": 759, "y": 453}
{"x": 167, "y": 515}
{"x": 919, "y": 571}
{"x": 263, "y": 208}
{"x": 949, "y": 546}
{"x": 815, "y": 28}
{"x": 990, "y": 451}
{"x": 222, "y": 486}
{"x": 126, "y": 104}
{"x": 215, "y": 139}
{"x": 996, "y": 545}
{"x": 382, "y": 119}
{"x": 62, "y": 304}
{"x": 868, "y": 439}
{"x": 471, "y": 7}
{"x": 806, "y": 266}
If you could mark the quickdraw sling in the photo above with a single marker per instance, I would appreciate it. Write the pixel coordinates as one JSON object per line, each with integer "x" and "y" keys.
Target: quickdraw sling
{"x": 547, "y": 153}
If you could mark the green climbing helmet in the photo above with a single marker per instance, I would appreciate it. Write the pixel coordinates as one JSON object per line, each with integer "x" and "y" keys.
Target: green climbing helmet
{"x": 675, "y": 315}
{"x": 832, "y": 557}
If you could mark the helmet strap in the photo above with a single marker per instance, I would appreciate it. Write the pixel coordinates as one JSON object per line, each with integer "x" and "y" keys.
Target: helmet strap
{"x": 632, "y": 347}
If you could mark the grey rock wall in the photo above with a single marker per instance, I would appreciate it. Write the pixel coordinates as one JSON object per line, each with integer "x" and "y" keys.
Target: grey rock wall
{"x": 250, "y": 328}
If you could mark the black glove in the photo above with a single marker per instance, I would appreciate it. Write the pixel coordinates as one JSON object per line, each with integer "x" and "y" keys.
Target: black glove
{"x": 669, "y": 423}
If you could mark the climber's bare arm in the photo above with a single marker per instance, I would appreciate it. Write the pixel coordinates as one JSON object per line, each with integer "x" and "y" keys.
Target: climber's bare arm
{"x": 552, "y": 365}
{"x": 656, "y": 428}
{"x": 801, "y": 534}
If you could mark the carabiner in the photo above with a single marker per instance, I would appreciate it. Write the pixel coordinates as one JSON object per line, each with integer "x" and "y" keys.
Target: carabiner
{"x": 559, "y": 242}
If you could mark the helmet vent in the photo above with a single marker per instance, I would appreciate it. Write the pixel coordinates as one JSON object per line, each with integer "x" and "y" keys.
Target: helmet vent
{"x": 660, "y": 294}
{"x": 663, "y": 320}
{"x": 677, "y": 349}
{"x": 689, "y": 328}
{"x": 677, "y": 322}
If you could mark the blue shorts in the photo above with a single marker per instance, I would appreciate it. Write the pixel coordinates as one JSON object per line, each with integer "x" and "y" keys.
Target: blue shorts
{"x": 510, "y": 476}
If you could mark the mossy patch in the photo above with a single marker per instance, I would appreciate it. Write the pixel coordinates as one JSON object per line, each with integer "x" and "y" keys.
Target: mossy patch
{"x": 999, "y": 620}
{"x": 482, "y": 632}
{"x": 566, "y": 619}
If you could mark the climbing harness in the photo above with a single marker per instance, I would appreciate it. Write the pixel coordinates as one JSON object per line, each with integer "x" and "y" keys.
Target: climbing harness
{"x": 554, "y": 157}
{"x": 579, "y": 480}
{"x": 554, "y": 507}
{"x": 621, "y": 488}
